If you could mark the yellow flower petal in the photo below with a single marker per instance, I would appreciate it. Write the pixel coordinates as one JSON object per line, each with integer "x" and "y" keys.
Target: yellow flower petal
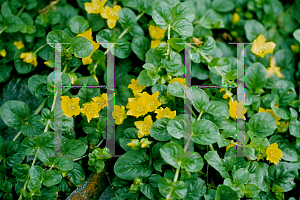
{"x": 261, "y": 48}
{"x": 3, "y": 53}
{"x": 19, "y": 44}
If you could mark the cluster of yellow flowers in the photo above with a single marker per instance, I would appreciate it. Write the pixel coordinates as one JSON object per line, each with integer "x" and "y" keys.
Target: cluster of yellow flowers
{"x": 28, "y": 57}
{"x": 111, "y": 14}
{"x": 91, "y": 110}
{"x": 157, "y": 34}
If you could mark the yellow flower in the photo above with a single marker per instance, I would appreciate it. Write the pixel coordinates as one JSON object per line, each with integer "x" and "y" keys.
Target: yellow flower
{"x": 111, "y": 14}
{"x": 49, "y": 63}
{"x": 272, "y": 113}
{"x": 88, "y": 34}
{"x": 118, "y": 114}
{"x": 273, "y": 68}
{"x": 261, "y": 48}
{"x": 95, "y": 77}
{"x": 19, "y": 44}
{"x": 232, "y": 144}
{"x": 151, "y": 101}
{"x": 156, "y": 33}
{"x": 3, "y": 53}
{"x": 233, "y": 106}
{"x": 165, "y": 113}
{"x": 295, "y": 48}
{"x": 134, "y": 144}
{"x": 144, "y": 126}
{"x": 274, "y": 153}
{"x": 145, "y": 143}
{"x": 130, "y": 100}
{"x": 90, "y": 110}
{"x": 226, "y": 95}
{"x": 73, "y": 78}
{"x": 137, "y": 108}
{"x": 155, "y": 43}
{"x": 29, "y": 58}
{"x": 101, "y": 101}
{"x": 70, "y": 106}
{"x": 135, "y": 87}
{"x": 179, "y": 80}
{"x": 235, "y": 18}
{"x": 261, "y": 156}
{"x": 95, "y": 7}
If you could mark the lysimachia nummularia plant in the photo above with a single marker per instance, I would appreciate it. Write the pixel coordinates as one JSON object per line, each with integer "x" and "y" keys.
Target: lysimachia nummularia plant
{"x": 153, "y": 132}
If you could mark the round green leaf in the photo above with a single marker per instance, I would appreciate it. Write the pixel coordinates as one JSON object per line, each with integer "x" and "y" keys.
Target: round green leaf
{"x": 22, "y": 67}
{"x": 159, "y": 130}
{"x": 28, "y": 146}
{"x": 81, "y": 47}
{"x": 296, "y": 34}
{"x": 226, "y": 193}
{"x": 13, "y": 113}
{"x": 106, "y": 36}
{"x": 223, "y": 5}
{"x": 13, "y": 24}
{"x": 55, "y": 37}
{"x": 205, "y": 132}
{"x": 78, "y": 24}
{"x": 253, "y": 29}
{"x": 184, "y": 10}
{"x": 162, "y": 15}
{"x": 285, "y": 90}
{"x": 179, "y": 126}
{"x": 65, "y": 81}
{"x": 76, "y": 175}
{"x": 51, "y": 178}
{"x": 5, "y": 71}
{"x": 127, "y": 17}
{"x": 176, "y": 89}
{"x": 123, "y": 49}
{"x": 172, "y": 153}
{"x": 256, "y": 76}
{"x": 196, "y": 188}
{"x": 20, "y": 171}
{"x": 36, "y": 172}
{"x": 140, "y": 46}
{"x": 183, "y": 27}
{"x": 217, "y": 108}
{"x": 133, "y": 164}
{"x": 74, "y": 148}
{"x": 262, "y": 124}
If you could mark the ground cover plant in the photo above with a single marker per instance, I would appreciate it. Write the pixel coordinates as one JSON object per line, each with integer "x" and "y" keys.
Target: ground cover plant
{"x": 149, "y": 97}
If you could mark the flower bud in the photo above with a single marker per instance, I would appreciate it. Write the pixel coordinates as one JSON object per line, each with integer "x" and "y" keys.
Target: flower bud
{"x": 295, "y": 48}
{"x": 235, "y": 18}
{"x": 49, "y": 63}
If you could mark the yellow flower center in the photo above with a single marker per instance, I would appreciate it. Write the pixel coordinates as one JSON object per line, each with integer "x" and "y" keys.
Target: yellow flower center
{"x": 140, "y": 109}
{"x": 262, "y": 49}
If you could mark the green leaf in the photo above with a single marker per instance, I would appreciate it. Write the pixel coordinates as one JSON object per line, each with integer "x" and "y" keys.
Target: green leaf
{"x": 241, "y": 176}
{"x": 34, "y": 185}
{"x": 256, "y": 76}
{"x": 216, "y": 162}
{"x": 5, "y": 71}
{"x": 176, "y": 89}
{"x": 251, "y": 191}
{"x": 209, "y": 46}
{"x": 123, "y": 49}
{"x": 74, "y": 148}
{"x": 51, "y": 178}
{"x": 95, "y": 21}
{"x": 140, "y": 46}
{"x": 294, "y": 126}
{"x": 253, "y": 29}
{"x": 78, "y": 24}
{"x": 225, "y": 193}
{"x": 173, "y": 43}
{"x": 76, "y": 175}
{"x": 162, "y": 15}
{"x": 54, "y": 18}
{"x": 49, "y": 193}
{"x": 106, "y": 36}
{"x": 144, "y": 79}
{"x": 223, "y": 5}
{"x": 171, "y": 153}
{"x": 179, "y": 126}
{"x": 262, "y": 124}
{"x": 162, "y": 51}
{"x": 81, "y": 47}
{"x": 127, "y": 17}
{"x": 152, "y": 58}
{"x": 63, "y": 163}
{"x": 285, "y": 90}
{"x": 296, "y": 34}
{"x": 58, "y": 37}
{"x": 13, "y": 24}
{"x": 178, "y": 189}
{"x": 283, "y": 175}
{"x": 65, "y": 81}
{"x": 289, "y": 151}
{"x": 283, "y": 113}
{"x": 174, "y": 66}
{"x": 20, "y": 171}
{"x": 133, "y": 164}
{"x": 184, "y": 10}
{"x": 13, "y": 113}
{"x": 221, "y": 66}
{"x": 159, "y": 130}
{"x": 199, "y": 99}
{"x": 35, "y": 172}
{"x": 147, "y": 190}
{"x": 232, "y": 75}
{"x": 183, "y": 27}
{"x": 41, "y": 91}
{"x": 217, "y": 108}
{"x": 196, "y": 188}
{"x": 205, "y": 132}
{"x": 259, "y": 144}
{"x": 7, "y": 9}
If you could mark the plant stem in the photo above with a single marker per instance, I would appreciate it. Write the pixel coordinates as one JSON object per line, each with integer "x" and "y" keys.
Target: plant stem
{"x": 188, "y": 142}
{"x": 211, "y": 147}
{"x": 192, "y": 111}
{"x": 40, "y": 107}
{"x": 52, "y": 108}
{"x": 200, "y": 115}
{"x": 5, "y": 27}
{"x": 35, "y": 113}
{"x": 126, "y": 30}
{"x": 40, "y": 48}
{"x": 65, "y": 68}
{"x": 23, "y": 7}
